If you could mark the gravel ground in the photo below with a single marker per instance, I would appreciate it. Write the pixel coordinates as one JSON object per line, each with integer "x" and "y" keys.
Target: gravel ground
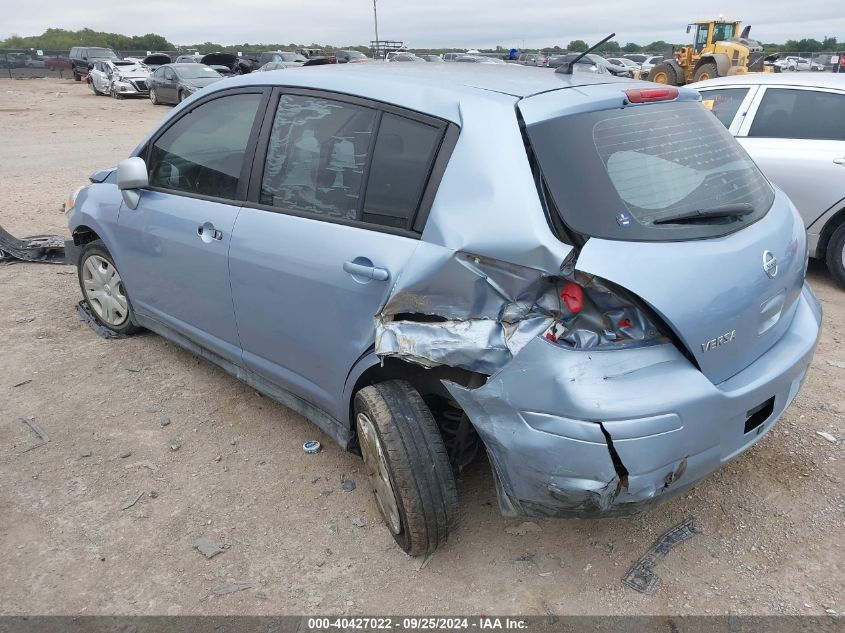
{"x": 210, "y": 457}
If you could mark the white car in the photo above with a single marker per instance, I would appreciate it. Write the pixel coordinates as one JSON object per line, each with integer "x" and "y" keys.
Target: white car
{"x": 794, "y": 129}
{"x": 798, "y": 63}
{"x": 119, "y": 78}
{"x": 650, "y": 63}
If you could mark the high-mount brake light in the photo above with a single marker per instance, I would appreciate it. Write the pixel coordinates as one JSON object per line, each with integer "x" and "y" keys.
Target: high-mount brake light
{"x": 650, "y": 95}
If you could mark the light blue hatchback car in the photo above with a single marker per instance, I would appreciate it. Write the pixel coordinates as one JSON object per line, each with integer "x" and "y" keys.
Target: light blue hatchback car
{"x": 583, "y": 276}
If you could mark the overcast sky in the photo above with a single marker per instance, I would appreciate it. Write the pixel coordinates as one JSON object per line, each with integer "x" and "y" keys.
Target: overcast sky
{"x": 422, "y": 23}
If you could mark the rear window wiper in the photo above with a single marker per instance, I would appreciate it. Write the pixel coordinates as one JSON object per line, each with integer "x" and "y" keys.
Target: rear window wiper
{"x": 714, "y": 213}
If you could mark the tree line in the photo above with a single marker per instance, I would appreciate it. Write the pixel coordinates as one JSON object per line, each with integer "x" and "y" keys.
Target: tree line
{"x": 61, "y": 39}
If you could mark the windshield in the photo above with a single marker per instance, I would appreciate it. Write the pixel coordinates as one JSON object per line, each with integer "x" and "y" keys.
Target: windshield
{"x": 198, "y": 71}
{"x": 722, "y": 32}
{"x": 102, "y": 53}
{"x": 636, "y": 167}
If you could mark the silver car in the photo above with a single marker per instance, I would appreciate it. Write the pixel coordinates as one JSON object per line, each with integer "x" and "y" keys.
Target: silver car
{"x": 119, "y": 78}
{"x": 599, "y": 313}
{"x": 794, "y": 128}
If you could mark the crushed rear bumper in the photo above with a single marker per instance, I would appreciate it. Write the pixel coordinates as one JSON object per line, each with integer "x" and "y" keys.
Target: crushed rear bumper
{"x": 610, "y": 433}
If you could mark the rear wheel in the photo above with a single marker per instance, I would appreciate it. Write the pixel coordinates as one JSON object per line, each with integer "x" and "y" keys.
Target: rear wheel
{"x": 407, "y": 465}
{"x": 103, "y": 289}
{"x": 705, "y": 72}
{"x": 835, "y": 255}
{"x": 663, "y": 74}
{"x": 77, "y": 77}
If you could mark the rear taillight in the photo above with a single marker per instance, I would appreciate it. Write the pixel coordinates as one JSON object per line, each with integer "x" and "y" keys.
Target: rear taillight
{"x": 593, "y": 313}
{"x": 842, "y": 60}
{"x": 650, "y": 95}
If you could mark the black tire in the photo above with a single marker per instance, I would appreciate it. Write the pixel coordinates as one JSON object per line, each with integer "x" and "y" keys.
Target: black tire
{"x": 416, "y": 460}
{"x": 835, "y": 255}
{"x": 77, "y": 77}
{"x": 181, "y": 96}
{"x": 154, "y": 97}
{"x": 705, "y": 72}
{"x": 93, "y": 87}
{"x": 115, "y": 94}
{"x": 98, "y": 249}
{"x": 663, "y": 73}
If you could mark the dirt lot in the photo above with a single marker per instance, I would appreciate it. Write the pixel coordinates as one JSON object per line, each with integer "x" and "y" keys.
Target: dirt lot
{"x": 212, "y": 458}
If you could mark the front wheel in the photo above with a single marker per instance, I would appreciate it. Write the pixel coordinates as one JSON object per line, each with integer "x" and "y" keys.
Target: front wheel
{"x": 103, "y": 289}
{"x": 154, "y": 97}
{"x": 407, "y": 465}
{"x": 663, "y": 74}
{"x": 836, "y": 255}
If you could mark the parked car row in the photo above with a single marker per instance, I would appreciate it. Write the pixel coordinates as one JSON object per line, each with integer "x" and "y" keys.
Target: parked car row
{"x": 794, "y": 64}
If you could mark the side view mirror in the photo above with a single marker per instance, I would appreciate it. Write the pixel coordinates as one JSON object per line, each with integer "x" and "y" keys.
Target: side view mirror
{"x": 131, "y": 178}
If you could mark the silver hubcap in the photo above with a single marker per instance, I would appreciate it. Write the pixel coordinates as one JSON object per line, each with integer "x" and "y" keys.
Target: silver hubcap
{"x": 104, "y": 290}
{"x": 376, "y": 465}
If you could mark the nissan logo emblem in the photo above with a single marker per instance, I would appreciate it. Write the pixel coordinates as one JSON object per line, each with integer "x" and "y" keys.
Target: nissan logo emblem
{"x": 770, "y": 264}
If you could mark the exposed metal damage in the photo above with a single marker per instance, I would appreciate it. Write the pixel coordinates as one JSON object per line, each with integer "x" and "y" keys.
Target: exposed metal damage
{"x": 433, "y": 320}
{"x": 47, "y": 249}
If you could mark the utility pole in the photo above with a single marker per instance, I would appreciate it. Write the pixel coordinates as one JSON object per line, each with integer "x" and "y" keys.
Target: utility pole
{"x": 375, "y": 18}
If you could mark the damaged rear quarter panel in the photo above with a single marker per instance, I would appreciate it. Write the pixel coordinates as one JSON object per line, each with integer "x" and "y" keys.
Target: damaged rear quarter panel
{"x": 550, "y": 465}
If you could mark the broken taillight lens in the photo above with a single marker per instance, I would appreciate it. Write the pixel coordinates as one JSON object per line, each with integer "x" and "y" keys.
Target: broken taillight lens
{"x": 592, "y": 313}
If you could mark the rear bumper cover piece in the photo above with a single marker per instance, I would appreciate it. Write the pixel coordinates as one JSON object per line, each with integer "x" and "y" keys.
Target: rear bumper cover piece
{"x": 640, "y": 425}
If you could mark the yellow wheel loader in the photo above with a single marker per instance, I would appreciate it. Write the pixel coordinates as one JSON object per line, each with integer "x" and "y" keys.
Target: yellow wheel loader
{"x": 717, "y": 51}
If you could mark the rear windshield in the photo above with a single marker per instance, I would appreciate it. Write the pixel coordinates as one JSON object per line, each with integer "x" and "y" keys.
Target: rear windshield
{"x": 631, "y": 173}
{"x": 200, "y": 71}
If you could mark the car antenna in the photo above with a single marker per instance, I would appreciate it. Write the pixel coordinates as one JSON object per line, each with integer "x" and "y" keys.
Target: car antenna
{"x": 568, "y": 68}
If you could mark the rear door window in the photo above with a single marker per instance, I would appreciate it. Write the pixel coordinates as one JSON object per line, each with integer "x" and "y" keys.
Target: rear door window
{"x": 202, "y": 153}
{"x": 317, "y": 156}
{"x": 800, "y": 114}
{"x": 724, "y": 103}
{"x": 344, "y": 161}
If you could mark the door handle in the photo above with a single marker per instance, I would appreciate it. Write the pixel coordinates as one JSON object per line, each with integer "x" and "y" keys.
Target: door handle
{"x": 369, "y": 272}
{"x": 839, "y": 161}
{"x": 208, "y": 232}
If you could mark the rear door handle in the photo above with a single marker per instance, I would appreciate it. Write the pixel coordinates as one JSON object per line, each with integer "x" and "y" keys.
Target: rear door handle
{"x": 839, "y": 161}
{"x": 369, "y": 272}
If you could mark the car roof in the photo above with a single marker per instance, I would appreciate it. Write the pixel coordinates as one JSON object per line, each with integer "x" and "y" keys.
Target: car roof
{"x": 512, "y": 80}
{"x": 815, "y": 80}
{"x": 435, "y": 89}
